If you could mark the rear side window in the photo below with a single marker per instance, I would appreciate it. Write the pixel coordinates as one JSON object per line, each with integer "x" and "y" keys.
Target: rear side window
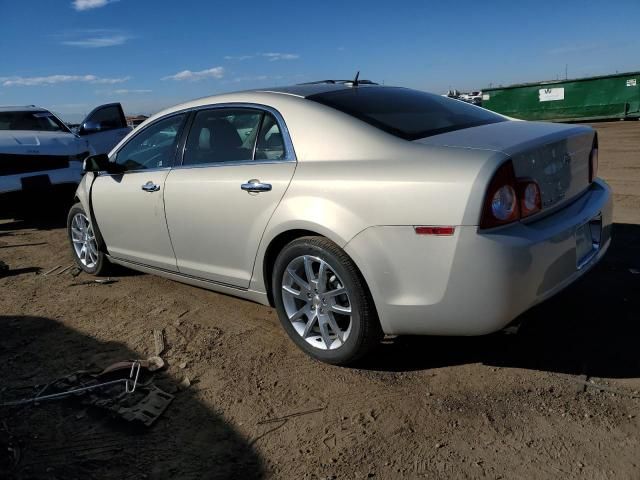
{"x": 270, "y": 144}
{"x": 406, "y": 113}
{"x": 222, "y": 135}
{"x": 233, "y": 135}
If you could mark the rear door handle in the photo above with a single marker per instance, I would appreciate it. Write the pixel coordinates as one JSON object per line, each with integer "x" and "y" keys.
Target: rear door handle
{"x": 150, "y": 187}
{"x": 255, "y": 185}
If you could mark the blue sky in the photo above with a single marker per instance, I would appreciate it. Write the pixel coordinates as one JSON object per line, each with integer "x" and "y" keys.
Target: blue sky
{"x": 71, "y": 55}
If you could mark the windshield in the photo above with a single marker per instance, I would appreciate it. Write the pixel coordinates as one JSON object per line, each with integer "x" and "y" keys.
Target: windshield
{"x": 406, "y": 113}
{"x": 39, "y": 121}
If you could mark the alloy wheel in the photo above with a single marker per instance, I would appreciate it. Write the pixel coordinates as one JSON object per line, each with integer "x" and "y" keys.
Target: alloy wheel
{"x": 316, "y": 302}
{"x": 84, "y": 240}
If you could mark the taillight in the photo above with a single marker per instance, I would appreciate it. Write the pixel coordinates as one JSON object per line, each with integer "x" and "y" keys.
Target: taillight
{"x": 593, "y": 160}
{"x": 530, "y": 200}
{"x": 508, "y": 199}
{"x": 500, "y": 203}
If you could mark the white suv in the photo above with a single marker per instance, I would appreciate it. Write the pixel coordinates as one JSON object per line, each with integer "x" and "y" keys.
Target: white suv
{"x": 37, "y": 150}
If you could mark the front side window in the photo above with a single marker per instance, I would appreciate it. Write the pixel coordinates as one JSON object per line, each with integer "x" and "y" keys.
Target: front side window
{"x": 153, "y": 147}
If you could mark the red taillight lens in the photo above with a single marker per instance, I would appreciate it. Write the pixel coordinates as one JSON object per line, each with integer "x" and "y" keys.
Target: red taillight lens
{"x": 509, "y": 198}
{"x": 501, "y": 204}
{"x": 530, "y": 200}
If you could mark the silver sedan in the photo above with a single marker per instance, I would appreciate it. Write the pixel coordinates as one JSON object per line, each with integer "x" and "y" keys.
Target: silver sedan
{"x": 356, "y": 210}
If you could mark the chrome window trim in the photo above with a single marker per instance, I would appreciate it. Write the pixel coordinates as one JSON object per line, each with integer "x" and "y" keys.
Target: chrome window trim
{"x": 238, "y": 163}
{"x": 290, "y": 155}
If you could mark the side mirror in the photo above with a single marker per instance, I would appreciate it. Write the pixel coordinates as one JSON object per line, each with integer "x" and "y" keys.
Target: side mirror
{"x": 101, "y": 163}
{"x": 89, "y": 127}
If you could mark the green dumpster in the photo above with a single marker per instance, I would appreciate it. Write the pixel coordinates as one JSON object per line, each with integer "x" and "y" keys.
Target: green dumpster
{"x": 591, "y": 98}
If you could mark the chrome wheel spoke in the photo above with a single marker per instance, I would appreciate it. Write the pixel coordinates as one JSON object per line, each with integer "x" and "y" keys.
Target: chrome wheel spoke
{"x": 334, "y": 326}
{"x": 294, "y": 293}
{"x": 335, "y": 293}
{"x": 340, "y": 309}
{"x": 308, "y": 269}
{"x": 326, "y": 336}
{"x": 297, "y": 315}
{"x": 322, "y": 277}
{"x": 299, "y": 281}
{"x": 309, "y": 326}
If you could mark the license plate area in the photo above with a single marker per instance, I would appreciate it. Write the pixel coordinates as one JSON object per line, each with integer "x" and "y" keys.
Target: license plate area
{"x": 588, "y": 241}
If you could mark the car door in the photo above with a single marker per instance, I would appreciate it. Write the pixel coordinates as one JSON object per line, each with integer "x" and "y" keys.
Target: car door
{"x": 236, "y": 167}
{"x": 104, "y": 127}
{"x": 129, "y": 207}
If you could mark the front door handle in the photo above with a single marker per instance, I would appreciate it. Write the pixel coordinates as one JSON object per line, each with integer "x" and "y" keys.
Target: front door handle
{"x": 255, "y": 185}
{"x": 150, "y": 187}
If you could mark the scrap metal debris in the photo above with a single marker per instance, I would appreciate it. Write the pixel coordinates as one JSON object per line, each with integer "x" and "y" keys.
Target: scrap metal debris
{"x": 140, "y": 400}
{"x": 49, "y": 272}
{"x": 149, "y": 408}
{"x": 129, "y": 387}
{"x": 65, "y": 269}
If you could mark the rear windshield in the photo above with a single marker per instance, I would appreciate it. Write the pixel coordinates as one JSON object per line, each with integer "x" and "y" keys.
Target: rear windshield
{"x": 405, "y": 113}
{"x": 39, "y": 121}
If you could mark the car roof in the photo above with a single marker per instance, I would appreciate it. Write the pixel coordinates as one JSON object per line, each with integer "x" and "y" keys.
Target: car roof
{"x": 307, "y": 89}
{"x": 300, "y": 92}
{"x": 21, "y": 108}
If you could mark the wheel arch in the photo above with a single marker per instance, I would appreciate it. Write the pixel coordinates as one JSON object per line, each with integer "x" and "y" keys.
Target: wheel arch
{"x": 274, "y": 248}
{"x": 279, "y": 241}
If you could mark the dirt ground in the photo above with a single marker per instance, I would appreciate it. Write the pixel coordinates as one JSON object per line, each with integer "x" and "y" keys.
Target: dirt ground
{"x": 559, "y": 399}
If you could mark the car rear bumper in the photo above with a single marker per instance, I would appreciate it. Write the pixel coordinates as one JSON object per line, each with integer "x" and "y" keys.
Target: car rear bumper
{"x": 474, "y": 282}
{"x": 68, "y": 175}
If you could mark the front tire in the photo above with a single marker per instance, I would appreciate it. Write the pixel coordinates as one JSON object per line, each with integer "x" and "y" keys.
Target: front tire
{"x": 84, "y": 246}
{"x": 323, "y": 302}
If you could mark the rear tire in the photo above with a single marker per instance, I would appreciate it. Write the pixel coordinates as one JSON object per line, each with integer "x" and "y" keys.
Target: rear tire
{"x": 323, "y": 302}
{"x": 84, "y": 246}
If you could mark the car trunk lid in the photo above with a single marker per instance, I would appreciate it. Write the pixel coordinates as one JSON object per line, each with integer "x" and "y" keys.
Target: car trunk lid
{"x": 555, "y": 155}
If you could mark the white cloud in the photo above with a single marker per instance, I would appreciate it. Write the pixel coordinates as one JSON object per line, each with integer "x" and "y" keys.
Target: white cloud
{"x": 275, "y": 56}
{"x": 98, "y": 42}
{"x": 239, "y": 57}
{"x": 214, "y": 72}
{"x": 125, "y": 91}
{"x": 257, "y": 78}
{"x": 271, "y": 56}
{"x": 17, "y": 81}
{"x": 81, "y": 5}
